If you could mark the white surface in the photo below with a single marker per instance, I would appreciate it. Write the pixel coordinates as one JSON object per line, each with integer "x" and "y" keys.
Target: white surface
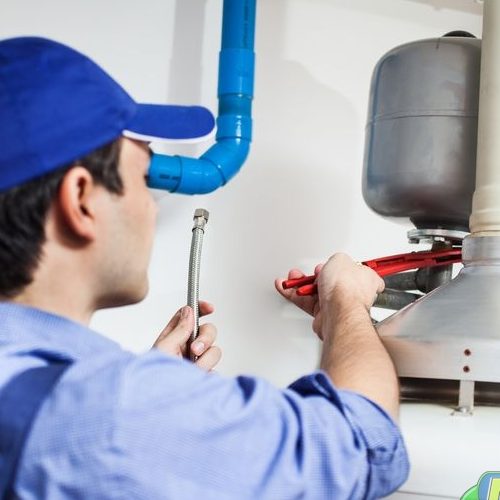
{"x": 297, "y": 199}
{"x": 448, "y": 453}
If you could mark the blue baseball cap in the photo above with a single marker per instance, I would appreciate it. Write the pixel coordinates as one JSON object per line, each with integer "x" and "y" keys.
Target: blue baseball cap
{"x": 56, "y": 106}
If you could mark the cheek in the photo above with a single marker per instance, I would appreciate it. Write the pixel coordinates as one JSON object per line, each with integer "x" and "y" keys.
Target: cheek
{"x": 149, "y": 214}
{"x": 143, "y": 204}
{"x": 152, "y": 208}
{"x": 140, "y": 210}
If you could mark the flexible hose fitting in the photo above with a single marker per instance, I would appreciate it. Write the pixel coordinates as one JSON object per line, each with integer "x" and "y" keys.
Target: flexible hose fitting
{"x": 200, "y": 220}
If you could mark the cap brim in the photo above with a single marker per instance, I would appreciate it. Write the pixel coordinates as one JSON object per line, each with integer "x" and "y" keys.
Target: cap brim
{"x": 156, "y": 122}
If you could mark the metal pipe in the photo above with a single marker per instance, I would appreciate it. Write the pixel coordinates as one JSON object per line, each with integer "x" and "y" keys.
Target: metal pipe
{"x": 395, "y": 299}
{"x": 485, "y": 218}
{"x": 402, "y": 281}
{"x": 193, "y": 297}
{"x": 223, "y": 160}
{"x": 447, "y": 391}
{"x": 432, "y": 277}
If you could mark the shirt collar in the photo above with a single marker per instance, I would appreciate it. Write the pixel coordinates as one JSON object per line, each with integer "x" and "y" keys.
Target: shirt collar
{"x": 27, "y": 326}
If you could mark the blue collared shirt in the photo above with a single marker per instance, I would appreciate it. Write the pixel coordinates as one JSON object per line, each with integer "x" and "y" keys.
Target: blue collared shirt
{"x": 152, "y": 426}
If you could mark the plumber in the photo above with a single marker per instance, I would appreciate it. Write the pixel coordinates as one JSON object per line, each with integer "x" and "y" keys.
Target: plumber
{"x": 82, "y": 418}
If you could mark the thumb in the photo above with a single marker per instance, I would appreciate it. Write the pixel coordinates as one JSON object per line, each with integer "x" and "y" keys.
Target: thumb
{"x": 174, "y": 337}
{"x": 381, "y": 285}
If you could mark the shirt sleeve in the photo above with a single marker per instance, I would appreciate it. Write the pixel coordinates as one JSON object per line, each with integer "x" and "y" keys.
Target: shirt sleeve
{"x": 375, "y": 433}
{"x": 183, "y": 433}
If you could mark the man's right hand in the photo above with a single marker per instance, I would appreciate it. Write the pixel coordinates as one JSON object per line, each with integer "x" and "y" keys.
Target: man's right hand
{"x": 309, "y": 303}
{"x": 352, "y": 354}
{"x": 339, "y": 279}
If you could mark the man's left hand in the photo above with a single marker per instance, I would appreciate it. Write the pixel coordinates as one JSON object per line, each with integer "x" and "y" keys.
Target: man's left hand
{"x": 174, "y": 338}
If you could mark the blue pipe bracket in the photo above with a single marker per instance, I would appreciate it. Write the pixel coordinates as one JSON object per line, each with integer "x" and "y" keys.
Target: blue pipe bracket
{"x": 222, "y": 161}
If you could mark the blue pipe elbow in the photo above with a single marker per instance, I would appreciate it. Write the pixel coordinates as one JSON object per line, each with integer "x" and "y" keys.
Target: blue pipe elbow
{"x": 180, "y": 174}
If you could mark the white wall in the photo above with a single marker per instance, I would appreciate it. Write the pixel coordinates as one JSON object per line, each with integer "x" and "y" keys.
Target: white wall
{"x": 298, "y": 197}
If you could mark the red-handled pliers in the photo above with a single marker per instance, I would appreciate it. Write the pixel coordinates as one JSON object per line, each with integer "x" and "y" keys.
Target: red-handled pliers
{"x": 387, "y": 265}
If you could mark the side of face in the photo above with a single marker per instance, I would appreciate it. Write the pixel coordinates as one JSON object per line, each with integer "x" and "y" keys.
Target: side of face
{"x": 126, "y": 231}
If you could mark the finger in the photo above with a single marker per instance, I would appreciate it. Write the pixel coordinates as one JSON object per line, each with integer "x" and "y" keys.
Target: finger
{"x": 293, "y": 274}
{"x": 380, "y": 282}
{"x": 179, "y": 335}
{"x": 289, "y": 293}
{"x": 170, "y": 325}
{"x": 278, "y": 283}
{"x": 316, "y": 326}
{"x": 318, "y": 268}
{"x": 205, "y": 308}
{"x": 209, "y": 359}
{"x": 306, "y": 303}
{"x": 205, "y": 339}
{"x": 381, "y": 285}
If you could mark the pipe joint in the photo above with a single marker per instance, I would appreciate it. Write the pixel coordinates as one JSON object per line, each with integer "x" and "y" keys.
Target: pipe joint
{"x": 165, "y": 172}
{"x": 227, "y": 156}
{"x": 234, "y": 126}
{"x": 236, "y": 70}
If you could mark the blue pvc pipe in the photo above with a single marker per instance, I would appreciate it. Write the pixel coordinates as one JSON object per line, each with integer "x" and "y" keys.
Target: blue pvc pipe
{"x": 223, "y": 160}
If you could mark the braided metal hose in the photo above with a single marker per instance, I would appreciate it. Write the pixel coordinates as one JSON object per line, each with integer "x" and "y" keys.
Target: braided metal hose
{"x": 200, "y": 220}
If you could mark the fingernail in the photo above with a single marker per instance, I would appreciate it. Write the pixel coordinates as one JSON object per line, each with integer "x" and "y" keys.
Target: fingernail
{"x": 184, "y": 312}
{"x": 198, "y": 347}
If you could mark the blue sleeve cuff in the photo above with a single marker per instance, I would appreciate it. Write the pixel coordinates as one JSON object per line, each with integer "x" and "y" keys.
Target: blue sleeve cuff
{"x": 373, "y": 429}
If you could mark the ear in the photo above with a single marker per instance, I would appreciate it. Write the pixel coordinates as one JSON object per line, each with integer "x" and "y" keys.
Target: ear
{"x": 77, "y": 200}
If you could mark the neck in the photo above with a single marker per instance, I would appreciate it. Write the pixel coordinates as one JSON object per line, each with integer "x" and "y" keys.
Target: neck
{"x": 62, "y": 304}
{"x": 61, "y": 286}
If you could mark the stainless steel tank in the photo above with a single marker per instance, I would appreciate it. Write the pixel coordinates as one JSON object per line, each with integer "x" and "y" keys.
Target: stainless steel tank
{"x": 421, "y": 135}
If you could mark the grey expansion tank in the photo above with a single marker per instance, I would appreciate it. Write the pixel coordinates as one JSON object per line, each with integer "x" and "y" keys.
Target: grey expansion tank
{"x": 421, "y": 135}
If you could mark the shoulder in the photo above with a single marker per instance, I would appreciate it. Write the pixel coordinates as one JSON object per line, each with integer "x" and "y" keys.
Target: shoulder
{"x": 84, "y": 434}
{"x": 133, "y": 422}
{"x": 94, "y": 393}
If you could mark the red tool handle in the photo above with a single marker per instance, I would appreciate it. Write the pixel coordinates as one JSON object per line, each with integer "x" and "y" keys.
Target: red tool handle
{"x": 385, "y": 266}
{"x": 298, "y": 282}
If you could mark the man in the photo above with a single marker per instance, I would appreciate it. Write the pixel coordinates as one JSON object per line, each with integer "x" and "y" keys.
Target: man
{"x": 80, "y": 417}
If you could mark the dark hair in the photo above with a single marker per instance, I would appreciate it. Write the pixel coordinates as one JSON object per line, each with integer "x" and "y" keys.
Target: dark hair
{"x": 23, "y": 213}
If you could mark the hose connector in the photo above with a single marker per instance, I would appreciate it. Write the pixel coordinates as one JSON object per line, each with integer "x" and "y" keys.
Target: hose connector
{"x": 200, "y": 219}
